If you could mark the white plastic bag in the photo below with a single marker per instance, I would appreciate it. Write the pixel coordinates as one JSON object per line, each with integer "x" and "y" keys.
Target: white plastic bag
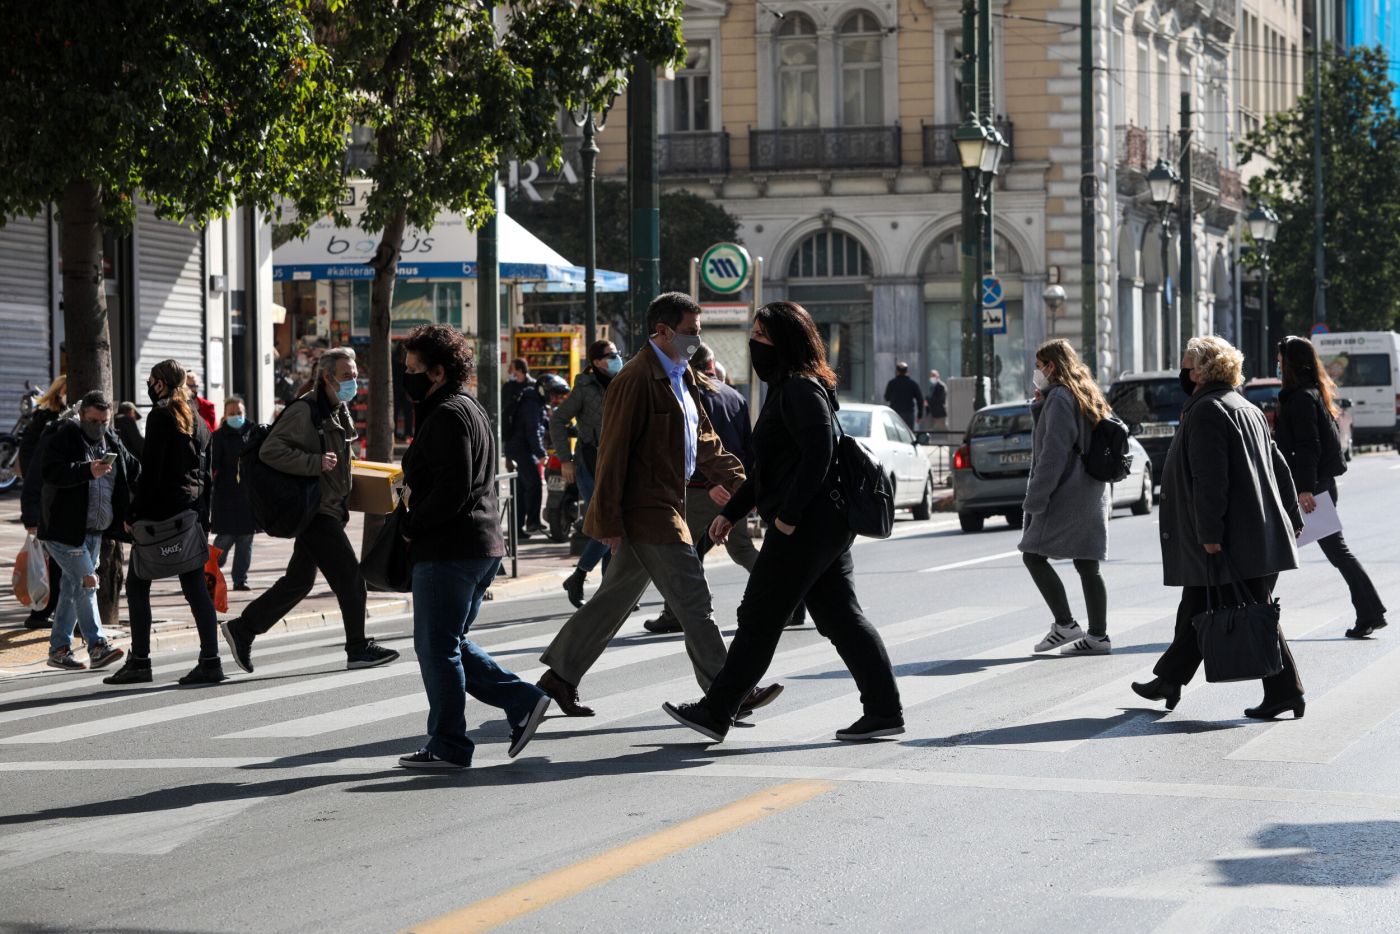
{"x": 31, "y": 575}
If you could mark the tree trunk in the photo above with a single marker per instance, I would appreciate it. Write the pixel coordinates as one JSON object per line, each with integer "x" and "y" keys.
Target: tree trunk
{"x": 86, "y": 333}
{"x": 379, "y": 422}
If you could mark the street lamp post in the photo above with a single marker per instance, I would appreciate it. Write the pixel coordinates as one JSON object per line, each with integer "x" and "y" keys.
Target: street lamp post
{"x": 979, "y": 156}
{"x": 1164, "y": 185}
{"x": 588, "y": 152}
{"x": 1263, "y": 230}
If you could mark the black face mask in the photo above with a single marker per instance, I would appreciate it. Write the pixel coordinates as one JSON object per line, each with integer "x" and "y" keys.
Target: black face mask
{"x": 766, "y": 362}
{"x": 92, "y": 430}
{"x": 1188, "y": 385}
{"x": 154, "y": 396}
{"x": 417, "y": 385}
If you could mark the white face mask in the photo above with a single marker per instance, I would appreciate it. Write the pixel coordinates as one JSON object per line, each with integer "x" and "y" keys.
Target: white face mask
{"x": 1040, "y": 380}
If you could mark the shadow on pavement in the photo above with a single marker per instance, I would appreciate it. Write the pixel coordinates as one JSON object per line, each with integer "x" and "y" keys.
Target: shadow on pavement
{"x": 1352, "y": 853}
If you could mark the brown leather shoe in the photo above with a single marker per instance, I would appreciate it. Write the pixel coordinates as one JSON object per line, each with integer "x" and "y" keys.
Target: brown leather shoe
{"x": 760, "y": 697}
{"x": 564, "y": 694}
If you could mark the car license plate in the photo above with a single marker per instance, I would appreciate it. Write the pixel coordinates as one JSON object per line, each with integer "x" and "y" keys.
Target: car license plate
{"x": 1157, "y": 430}
{"x": 1018, "y": 459}
{"x": 556, "y": 483}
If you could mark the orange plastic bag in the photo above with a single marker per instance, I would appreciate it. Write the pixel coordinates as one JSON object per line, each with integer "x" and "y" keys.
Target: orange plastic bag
{"x": 214, "y": 580}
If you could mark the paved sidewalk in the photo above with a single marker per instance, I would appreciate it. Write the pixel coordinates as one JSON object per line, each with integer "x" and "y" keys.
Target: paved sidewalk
{"x": 542, "y": 568}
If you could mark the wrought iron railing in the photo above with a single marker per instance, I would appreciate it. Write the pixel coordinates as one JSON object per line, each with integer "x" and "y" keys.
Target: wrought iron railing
{"x": 939, "y": 148}
{"x": 693, "y": 153}
{"x": 824, "y": 148}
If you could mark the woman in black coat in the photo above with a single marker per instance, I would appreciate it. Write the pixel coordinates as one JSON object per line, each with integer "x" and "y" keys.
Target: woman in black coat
{"x": 806, "y": 554}
{"x": 174, "y": 480}
{"x": 1228, "y": 511}
{"x": 233, "y": 524}
{"x": 1306, "y": 431}
{"x": 48, "y": 409}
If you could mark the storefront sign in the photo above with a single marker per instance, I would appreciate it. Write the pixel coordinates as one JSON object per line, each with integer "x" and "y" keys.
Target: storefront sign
{"x": 719, "y": 314}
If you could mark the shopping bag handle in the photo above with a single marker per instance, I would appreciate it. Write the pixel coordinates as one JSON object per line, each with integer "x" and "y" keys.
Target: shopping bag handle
{"x": 1242, "y": 593}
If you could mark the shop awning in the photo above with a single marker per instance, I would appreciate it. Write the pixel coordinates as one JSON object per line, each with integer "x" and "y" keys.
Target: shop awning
{"x": 448, "y": 251}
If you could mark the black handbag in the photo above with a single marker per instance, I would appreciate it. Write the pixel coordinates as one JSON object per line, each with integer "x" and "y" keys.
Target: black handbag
{"x": 386, "y": 566}
{"x": 1240, "y": 641}
{"x": 168, "y": 547}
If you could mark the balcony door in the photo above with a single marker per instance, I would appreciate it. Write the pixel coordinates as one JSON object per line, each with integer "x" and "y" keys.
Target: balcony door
{"x": 798, "y": 95}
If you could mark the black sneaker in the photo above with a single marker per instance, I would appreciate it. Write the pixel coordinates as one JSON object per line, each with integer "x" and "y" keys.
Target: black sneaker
{"x": 65, "y": 660}
{"x": 664, "y": 623}
{"x": 870, "y": 726}
{"x": 135, "y": 671}
{"x": 38, "y": 619}
{"x": 422, "y": 759}
{"x": 520, "y": 735}
{"x": 242, "y": 587}
{"x": 206, "y": 671}
{"x": 698, "y": 718}
{"x": 370, "y": 655}
{"x": 240, "y": 644}
{"x": 101, "y": 654}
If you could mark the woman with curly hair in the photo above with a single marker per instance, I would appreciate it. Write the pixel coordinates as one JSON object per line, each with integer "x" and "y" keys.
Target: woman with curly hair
{"x": 1229, "y": 512}
{"x": 455, "y": 544}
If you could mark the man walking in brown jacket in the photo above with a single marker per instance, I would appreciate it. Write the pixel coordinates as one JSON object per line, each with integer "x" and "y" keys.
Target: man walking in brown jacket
{"x": 655, "y": 436}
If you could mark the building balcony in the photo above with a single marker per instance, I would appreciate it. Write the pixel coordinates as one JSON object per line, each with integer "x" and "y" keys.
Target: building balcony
{"x": 1140, "y": 148}
{"x": 939, "y": 148}
{"x": 824, "y": 148}
{"x": 705, "y": 154}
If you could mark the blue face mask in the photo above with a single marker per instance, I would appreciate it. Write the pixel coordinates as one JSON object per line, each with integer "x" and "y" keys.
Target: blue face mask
{"x": 235, "y": 421}
{"x": 346, "y": 390}
{"x": 614, "y": 365}
{"x": 1278, "y": 371}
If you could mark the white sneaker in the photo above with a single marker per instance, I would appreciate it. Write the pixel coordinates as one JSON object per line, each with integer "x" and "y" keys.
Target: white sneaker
{"x": 1089, "y": 645}
{"x": 1058, "y": 636}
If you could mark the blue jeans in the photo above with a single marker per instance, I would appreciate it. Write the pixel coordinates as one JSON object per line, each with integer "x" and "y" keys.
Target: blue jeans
{"x": 77, "y": 605}
{"x": 446, "y": 598}
{"x": 594, "y": 551}
{"x": 242, "y": 547}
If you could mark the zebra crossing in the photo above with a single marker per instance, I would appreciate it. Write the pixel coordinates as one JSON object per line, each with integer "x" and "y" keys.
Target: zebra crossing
{"x": 1022, "y": 704}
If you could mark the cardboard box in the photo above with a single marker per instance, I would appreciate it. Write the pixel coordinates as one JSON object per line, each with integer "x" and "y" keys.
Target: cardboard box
{"x": 374, "y": 487}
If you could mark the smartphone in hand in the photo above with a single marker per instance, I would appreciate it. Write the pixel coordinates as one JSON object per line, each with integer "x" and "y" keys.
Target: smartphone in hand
{"x": 109, "y": 458}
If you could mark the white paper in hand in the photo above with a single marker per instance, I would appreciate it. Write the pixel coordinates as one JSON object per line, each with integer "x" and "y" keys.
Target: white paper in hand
{"x": 1321, "y": 522}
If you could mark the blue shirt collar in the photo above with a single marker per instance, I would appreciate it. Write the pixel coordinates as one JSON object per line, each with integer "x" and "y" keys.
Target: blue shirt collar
{"x": 672, "y": 368}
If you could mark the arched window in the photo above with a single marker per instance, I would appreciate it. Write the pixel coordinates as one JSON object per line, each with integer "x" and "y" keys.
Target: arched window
{"x": 797, "y": 72}
{"x": 830, "y": 254}
{"x": 862, "y": 71}
{"x": 945, "y": 257}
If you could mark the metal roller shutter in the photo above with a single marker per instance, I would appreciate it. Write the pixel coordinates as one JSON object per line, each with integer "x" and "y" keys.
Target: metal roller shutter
{"x": 25, "y": 311}
{"x": 170, "y": 295}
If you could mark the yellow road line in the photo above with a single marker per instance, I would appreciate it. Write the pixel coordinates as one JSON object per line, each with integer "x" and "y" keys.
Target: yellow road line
{"x": 571, "y": 880}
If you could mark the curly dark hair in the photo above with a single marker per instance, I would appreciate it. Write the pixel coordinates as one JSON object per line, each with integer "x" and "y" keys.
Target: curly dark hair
{"x": 440, "y": 345}
{"x": 799, "y": 343}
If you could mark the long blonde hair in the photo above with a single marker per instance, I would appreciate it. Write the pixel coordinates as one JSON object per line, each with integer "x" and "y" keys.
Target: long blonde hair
{"x": 1071, "y": 373}
{"x": 172, "y": 375}
{"x": 53, "y": 399}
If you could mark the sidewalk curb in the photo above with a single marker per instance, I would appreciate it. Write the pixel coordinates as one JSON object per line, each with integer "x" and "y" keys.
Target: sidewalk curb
{"x": 175, "y": 634}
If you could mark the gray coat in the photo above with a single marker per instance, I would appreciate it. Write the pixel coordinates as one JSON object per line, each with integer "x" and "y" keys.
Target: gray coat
{"x": 1066, "y": 510}
{"x": 1226, "y": 483}
{"x": 584, "y": 405}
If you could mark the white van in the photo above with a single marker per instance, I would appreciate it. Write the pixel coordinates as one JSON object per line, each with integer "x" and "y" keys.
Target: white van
{"x": 1365, "y": 365}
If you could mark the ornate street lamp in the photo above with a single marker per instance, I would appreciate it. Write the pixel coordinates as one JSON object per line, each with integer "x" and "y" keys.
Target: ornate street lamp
{"x": 1164, "y": 184}
{"x": 592, "y": 123}
{"x": 1263, "y": 230}
{"x": 977, "y": 152}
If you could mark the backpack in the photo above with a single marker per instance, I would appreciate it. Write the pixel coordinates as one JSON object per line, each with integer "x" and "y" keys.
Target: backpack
{"x": 283, "y": 504}
{"x": 1108, "y": 459}
{"x": 863, "y": 487}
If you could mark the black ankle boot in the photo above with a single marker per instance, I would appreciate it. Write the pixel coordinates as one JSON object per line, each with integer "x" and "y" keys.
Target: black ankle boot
{"x": 573, "y": 586}
{"x": 1270, "y": 710}
{"x": 208, "y": 671}
{"x": 1159, "y": 689}
{"x": 135, "y": 671}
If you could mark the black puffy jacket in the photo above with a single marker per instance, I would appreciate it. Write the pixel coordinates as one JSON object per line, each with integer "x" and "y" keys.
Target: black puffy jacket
{"x": 1307, "y": 435}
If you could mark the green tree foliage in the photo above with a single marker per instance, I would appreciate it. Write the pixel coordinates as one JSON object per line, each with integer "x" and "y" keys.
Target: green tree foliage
{"x": 451, "y": 90}
{"x": 190, "y": 105}
{"x": 1361, "y": 156}
{"x": 689, "y": 224}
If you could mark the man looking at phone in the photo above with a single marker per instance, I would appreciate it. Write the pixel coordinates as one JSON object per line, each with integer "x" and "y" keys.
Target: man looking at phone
{"x": 88, "y": 481}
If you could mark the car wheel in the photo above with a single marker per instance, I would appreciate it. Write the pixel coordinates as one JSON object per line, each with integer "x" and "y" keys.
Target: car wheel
{"x": 971, "y": 521}
{"x": 1143, "y": 506}
{"x": 924, "y": 508}
{"x": 1016, "y": 519}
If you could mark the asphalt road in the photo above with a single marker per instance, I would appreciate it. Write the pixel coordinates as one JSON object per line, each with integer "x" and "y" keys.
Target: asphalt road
{"x": 1029, "y": 794}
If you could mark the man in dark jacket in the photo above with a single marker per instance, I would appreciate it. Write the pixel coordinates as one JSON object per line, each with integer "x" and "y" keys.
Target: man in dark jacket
{"x": 524, "y": 445}
{"x": 936, "y": 402}
{"x": 902, "y": 394}
{"x": 232, "y": 524}
{"x": 88, "y": 482}
{"x": 128, "y": 430}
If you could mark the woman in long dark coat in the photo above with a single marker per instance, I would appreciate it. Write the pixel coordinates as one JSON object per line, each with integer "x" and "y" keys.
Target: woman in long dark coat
{"x": 233, "y": 525}
{"x": 1229, "y": 510}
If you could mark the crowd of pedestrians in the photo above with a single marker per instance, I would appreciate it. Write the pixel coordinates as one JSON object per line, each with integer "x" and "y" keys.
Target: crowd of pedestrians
{"x": 668, "y": 460}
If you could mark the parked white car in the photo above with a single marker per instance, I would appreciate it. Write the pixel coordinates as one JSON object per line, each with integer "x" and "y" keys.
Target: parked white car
{"x": 881, "y": 430}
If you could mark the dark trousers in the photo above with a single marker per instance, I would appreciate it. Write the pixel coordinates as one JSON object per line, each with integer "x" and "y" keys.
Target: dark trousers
{"x": 55, "y": 578}
{"x": 1179, "y": 662}
{"x": 814, "y": 563}
{"x": 206, "y": 620}
{"x": 1053, "y": 591}
{"x": 324, "y": 546}
{"x": 242, "y": 548}
{"x": 1364, "y": 598}
{"x": 529, "y": 491}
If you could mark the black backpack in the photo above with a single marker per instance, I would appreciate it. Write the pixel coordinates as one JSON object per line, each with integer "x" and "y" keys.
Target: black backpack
{"x": 862, "y": 486}
{"x": 283, "y": 504}
{"x": 1108, "y": 458}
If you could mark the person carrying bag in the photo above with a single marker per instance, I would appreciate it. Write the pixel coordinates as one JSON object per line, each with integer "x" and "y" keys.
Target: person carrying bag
{"x": 1238, "y": 635}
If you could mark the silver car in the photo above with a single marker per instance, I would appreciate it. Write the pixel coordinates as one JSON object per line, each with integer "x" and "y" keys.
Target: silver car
{"x": 991, "y": 468}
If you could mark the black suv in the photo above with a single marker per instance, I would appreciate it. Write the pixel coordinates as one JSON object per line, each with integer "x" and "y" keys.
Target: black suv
{"x": 1150, "y": 404}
